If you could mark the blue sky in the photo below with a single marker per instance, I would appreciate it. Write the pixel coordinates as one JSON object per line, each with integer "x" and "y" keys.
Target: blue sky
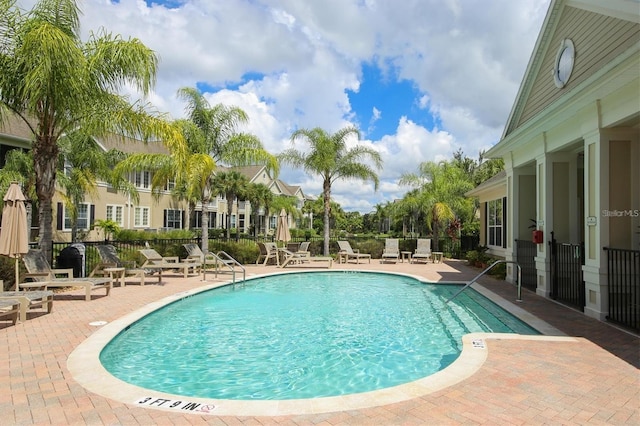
{"x": 420, "y": 78}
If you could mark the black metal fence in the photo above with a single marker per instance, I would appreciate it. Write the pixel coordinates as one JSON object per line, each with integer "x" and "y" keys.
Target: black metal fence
{"x": 623, "y": 277}
{"x": 128, "y": 250}
{"x": 567, "y": 282}
{"x": 525, "y": 256}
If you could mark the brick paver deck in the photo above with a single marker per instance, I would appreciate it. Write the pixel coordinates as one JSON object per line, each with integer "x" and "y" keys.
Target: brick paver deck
{"x": 592, "y": 380}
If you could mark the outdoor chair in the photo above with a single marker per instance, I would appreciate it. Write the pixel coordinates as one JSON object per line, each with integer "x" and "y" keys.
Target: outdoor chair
{"x": 303, "y": 255}
{"x": 268, "y": 251}
{"x": 26, "y": 300}
{"x": 9, "y": 309}
{"x": 195, "y": 254}
{"x": 110, "y": 263}
{"x": 347, "y": 253}
{"x": 391, "y": 251}
{"x": 154, "y": 261}
{"x": 423, "y": 251}
{"x": 39, "y": 270}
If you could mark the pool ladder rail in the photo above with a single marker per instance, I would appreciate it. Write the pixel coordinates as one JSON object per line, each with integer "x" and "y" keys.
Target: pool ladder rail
{"x": 519, "y": 281}
{"x": 222, "y": 260}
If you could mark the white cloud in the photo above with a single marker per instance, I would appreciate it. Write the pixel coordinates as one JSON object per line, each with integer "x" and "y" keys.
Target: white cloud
{"x": 466, "y": 57}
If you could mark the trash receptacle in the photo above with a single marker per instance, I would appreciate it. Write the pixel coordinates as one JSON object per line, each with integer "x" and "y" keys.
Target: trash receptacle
{"x": 70, "y": 257}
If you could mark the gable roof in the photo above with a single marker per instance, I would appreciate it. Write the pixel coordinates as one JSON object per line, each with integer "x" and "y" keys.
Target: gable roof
{"x": 499, "y": 179}
{"x": 604, "y": 35}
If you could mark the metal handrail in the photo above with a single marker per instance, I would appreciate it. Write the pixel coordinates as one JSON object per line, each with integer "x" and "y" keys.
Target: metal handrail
{"x": 223, "y": 258}
{"x": 519, "y": 299}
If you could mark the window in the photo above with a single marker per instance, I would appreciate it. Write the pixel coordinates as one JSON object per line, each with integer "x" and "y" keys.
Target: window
{"x": 142, "y": 179}
{"x": 83, "y": 217}
{"x": 495, "y": 222}
{"x": 141, "y": 217}
{"x": 115, "y": 213}
{"x": 241, "y": 226}
{"x": 171, "y": 184}
{"x": 173, "y": 219}
{"x": 233, "y": 220}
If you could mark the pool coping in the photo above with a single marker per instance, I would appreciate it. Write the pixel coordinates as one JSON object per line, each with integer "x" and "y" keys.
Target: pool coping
{"x": 85, "y": 367}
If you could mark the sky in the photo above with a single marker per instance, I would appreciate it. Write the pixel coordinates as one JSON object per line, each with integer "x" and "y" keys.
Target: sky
{"x": 420, "y": 79}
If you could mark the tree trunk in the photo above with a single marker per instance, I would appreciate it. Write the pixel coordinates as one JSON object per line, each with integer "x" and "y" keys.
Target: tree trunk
{"x": 205, "y": 226}
{"x": 326, "y": 190}
{"x": 229, "y": 210}
{"x": 45, "y": 155}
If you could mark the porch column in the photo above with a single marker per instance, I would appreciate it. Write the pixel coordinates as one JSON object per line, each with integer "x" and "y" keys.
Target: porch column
{"x": 596, "y": 200}
{"x": 544, "y": 217}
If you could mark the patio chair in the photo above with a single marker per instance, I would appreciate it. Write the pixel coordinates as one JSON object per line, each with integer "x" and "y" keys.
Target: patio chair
{"x": 154, "y": 261}
{"x": 110, "y": 263}
{"x": 423, "y": 251}
{"x": 391, "y": 252}
{"x": 25, "y": 300}
{"x": 347, "y": 253}
{"x": 302, "y": 256}
{"x": 39, "y": 270}
{"x": 195, "y": 254}
{"x": 268, "y": 251}
{"x": 9, "y": 308}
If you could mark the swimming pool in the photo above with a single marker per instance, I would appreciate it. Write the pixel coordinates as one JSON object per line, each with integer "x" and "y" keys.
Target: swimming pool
{"x": 303, "y": 335}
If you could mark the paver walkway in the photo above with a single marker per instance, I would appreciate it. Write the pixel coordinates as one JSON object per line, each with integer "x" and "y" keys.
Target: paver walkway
{"x": 593, "y": 380}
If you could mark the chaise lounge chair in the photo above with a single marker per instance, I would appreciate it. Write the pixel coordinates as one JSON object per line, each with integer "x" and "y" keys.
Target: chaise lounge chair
{"x": 28, "y": 300}
{"x": 423, "y": 251}
{"x": 155, "y": 261}
{"x": 39, "y": 270}
{"x": 9, "y": 308}
{"x": 391, "y": 251}
{"x": 303, "y": 256}
{"x": 110, "y": 263}
{"x": 268, "y": 251}
{"x": 195, "y": 254}
{"x": 347, "y": 253}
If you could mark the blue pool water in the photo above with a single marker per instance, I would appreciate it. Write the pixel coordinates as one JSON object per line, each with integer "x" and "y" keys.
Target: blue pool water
{"x": 302, "y": 335}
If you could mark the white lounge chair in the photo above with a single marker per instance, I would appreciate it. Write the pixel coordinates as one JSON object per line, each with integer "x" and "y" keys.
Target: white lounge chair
{"x": 423, "y": 251}
{"x": 39, "y": 270}
{"x": 110, "y": 263}
{"x": 346, "y": 253}
{"x": 391, "y": 251}
{"x": 268, "y": 251}
{"x": 154, "y": 261}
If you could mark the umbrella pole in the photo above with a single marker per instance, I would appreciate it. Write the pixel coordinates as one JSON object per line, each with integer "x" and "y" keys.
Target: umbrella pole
{"x": 17, "y": 275}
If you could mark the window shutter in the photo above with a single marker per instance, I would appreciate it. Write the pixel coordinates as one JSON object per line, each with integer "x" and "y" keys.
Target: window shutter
{"x": 485, "y": 224}
{"x": 182, "y": 218}
{"x": 504, "y": 222}
{"x": 59, "y": 217}
{"x": 164, "y": 225}
{"x": 92, "y": 215}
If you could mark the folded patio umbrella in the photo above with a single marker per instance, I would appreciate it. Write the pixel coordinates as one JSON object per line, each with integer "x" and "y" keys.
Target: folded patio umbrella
{"x": 14, "y": 241}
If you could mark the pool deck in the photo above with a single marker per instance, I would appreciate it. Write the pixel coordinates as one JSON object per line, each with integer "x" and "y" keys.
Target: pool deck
{"x": 591, "y": 379}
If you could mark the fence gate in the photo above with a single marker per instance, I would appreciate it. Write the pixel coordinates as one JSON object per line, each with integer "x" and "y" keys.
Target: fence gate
{"x": 567, "y": 282}
{"x": 525, "y": 254}
{"x": 623, "y": 273}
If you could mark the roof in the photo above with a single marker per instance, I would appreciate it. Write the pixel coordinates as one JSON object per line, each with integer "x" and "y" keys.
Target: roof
{"x": 496, "y": 180}
{"x": 606, "y": 34}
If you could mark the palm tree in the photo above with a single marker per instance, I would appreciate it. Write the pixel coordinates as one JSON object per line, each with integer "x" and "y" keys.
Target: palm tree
{"x": 441, "y": 189}
{"x": 330, "y": 158}
{"x": 259, "y": 195}
{"x": 213, "y": 132}
{"x": 232, "y": 185}
{"x": 56, "y": 83}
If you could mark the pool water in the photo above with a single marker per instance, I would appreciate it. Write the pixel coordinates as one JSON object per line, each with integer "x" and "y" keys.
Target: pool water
{"x": 302, "y": 335}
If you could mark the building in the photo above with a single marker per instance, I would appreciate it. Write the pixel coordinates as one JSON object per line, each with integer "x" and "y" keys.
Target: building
{"x": 148, "y": 213}
{"x": 571, "y": 147}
